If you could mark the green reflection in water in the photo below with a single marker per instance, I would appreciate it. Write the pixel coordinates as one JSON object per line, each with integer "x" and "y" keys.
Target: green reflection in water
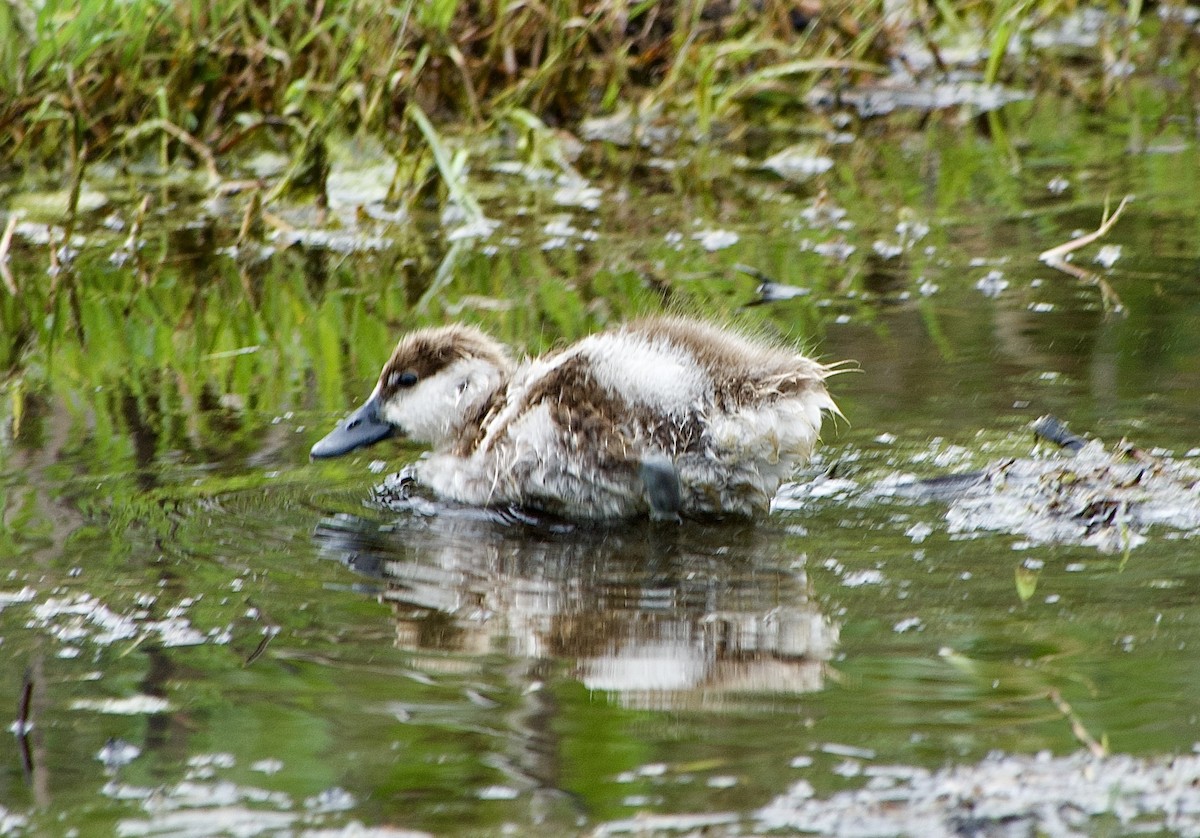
{"x": 157, "y": 422}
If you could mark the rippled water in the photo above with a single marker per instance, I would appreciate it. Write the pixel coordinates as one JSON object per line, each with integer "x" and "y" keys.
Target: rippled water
{"x": 202, "y": 633}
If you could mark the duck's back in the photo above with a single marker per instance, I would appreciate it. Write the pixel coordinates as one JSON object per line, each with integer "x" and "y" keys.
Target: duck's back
{"x": 734, "y": 416}
{"x": 739, "y": 370}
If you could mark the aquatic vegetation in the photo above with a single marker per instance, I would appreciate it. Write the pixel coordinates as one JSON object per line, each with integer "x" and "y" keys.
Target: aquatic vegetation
{"x": 1039, "y": 793}
{"x": 167, "y": 86}
{"x": 1086, "y": 494}
{"x": 217, "y": 220}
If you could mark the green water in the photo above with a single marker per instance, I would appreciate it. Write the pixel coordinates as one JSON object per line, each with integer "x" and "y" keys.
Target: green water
{"x": 179, "y": 578}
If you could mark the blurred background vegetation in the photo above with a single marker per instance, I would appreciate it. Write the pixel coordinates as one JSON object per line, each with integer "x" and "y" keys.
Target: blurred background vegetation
{"x": 203, "y": 80}
{"x": 239, "y": 204}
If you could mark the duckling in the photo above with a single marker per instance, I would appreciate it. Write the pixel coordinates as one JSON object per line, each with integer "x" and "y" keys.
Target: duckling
{"x": 665, "y": 416}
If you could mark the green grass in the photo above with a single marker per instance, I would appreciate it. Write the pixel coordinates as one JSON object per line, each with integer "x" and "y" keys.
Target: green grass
{"x": 200, "y": 81}
{"x": 168, "y": 85}
{"x": 221, "y": 72}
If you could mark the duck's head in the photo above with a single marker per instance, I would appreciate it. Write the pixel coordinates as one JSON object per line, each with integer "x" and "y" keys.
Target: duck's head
{"x": 434, "y": 384}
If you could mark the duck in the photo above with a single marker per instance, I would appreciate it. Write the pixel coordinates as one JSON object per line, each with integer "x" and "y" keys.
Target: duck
{"x": 664, "y": 416}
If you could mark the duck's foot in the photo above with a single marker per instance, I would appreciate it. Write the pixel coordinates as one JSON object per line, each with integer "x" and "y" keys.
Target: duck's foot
{"x": 661, "y": 482}
{"x": 397, "y": 489}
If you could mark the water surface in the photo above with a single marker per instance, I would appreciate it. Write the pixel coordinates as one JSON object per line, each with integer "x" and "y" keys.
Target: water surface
{"x": 217, "y": 636}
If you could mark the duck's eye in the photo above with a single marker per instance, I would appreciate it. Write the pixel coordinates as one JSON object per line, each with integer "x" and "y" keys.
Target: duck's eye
{"x": 402, "y": 379}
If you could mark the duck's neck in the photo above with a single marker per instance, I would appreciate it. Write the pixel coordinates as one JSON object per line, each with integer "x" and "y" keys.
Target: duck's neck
{"x": 476, "y": 418}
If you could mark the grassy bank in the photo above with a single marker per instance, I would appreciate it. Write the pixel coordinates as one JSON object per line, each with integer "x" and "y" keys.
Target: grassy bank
{"x": 203, "y": 80}
{"x": 109, "y": 73}
{"x": 110, "y": 108}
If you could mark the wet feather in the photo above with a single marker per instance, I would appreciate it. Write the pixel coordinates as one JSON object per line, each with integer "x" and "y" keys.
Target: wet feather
{"x": 569, "y": 432}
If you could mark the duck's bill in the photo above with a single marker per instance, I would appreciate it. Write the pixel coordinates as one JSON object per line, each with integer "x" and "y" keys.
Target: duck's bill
{"x": 361, "y": 428}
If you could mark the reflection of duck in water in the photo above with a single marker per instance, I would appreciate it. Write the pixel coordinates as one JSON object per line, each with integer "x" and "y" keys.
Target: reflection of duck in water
{"x": 657, "y": 617}
{"x": 664, "y": 415}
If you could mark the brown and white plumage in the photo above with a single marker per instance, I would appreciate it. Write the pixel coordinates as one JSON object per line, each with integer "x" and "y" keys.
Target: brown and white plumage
{"x": 586, "y": 431}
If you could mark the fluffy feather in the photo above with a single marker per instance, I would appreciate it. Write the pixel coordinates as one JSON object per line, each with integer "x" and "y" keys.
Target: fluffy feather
{"x": 567, "y": 433}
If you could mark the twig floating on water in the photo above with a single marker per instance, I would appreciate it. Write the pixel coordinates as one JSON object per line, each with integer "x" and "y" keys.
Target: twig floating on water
{"x": 268, "y": 636}
{"x": 1096, "y": 748}
{"x": 1056, "y": 256}
{"x": 22, "y": 726}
